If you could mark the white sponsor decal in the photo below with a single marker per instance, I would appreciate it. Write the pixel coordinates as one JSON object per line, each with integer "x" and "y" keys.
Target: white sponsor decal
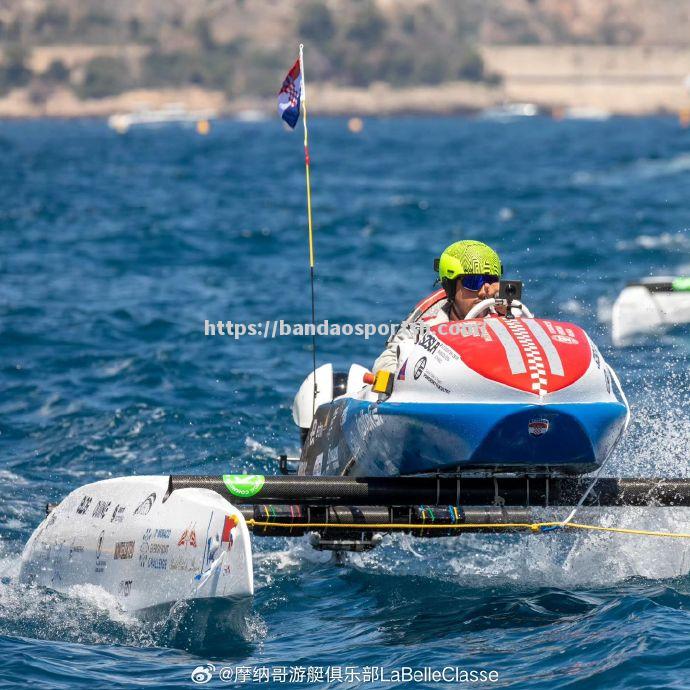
{"x": 567, "y": 339}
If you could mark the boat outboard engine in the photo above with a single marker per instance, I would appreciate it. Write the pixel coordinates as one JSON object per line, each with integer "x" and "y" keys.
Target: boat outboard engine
{"x": 329, "y": 385}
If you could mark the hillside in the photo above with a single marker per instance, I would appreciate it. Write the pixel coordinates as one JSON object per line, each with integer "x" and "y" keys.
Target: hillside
{"x": 70, "y": 56}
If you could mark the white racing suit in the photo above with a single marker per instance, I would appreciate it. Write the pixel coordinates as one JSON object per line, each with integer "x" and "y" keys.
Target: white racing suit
{"x": 431, "y": 311}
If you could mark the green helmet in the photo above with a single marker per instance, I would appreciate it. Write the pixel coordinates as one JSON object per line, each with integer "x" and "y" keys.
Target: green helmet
{"x": 468, "y": 257}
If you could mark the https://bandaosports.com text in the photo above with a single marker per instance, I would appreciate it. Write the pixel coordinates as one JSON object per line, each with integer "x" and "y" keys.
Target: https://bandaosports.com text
{"x": 278, "y": 328}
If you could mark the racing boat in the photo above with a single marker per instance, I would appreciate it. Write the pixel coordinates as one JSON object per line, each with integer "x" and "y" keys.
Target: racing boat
{"x": 482, "y": 419}
{"x": 650, "y": 306}
{"x": 489, "y": 394}
{"x": 480, "y": 422}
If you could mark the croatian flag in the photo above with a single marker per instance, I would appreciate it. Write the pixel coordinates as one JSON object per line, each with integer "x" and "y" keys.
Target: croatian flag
{"x": 289, "y": 96}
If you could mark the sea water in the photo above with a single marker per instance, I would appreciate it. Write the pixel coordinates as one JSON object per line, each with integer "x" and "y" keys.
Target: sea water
{"x": 116, "y": 250}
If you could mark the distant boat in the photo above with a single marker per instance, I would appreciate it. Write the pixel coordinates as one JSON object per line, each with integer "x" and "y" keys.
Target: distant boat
{"x": 509, "y": 111}
{"x": 172, "y": 114}
{"x": 251, "y": 115}
{"x": 650, "y": 306}
{"x": 586, "y": 113}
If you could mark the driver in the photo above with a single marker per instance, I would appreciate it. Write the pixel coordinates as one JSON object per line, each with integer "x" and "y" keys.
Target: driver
{"x": 469, "y": 272}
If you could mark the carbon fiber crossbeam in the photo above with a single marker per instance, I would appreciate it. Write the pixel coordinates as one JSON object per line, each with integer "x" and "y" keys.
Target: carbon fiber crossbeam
{"x": 352, "y": 522}
{"x": 464, "y": 491}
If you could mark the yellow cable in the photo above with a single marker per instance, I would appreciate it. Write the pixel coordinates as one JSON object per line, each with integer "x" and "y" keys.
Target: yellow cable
{"x": 623, "y": 530}
{"x": 533, "y": 526}
{"x": 306, "y": 160}
{"x": 306, "y": 155}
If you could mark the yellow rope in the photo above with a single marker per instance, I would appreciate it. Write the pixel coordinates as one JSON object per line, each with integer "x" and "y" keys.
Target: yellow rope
{"x": 533, "y": 526}
{"x": 623, "y": 530}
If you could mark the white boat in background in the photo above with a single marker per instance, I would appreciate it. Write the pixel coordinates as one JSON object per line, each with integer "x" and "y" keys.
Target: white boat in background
{"x": 251, "y": 115}
{"x": 649, "y": 306}
{"x": 586, "y": 113}
{"x": 509, "y": 111}
{"x": 171, "y": 114}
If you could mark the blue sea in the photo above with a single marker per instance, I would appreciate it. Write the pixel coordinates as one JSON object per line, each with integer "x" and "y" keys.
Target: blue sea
{"x": 115, "y": 250}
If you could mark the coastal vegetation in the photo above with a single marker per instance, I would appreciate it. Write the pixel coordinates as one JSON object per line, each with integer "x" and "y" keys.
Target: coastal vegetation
{"x": 67, "y": 57}
{"x": 238, "y": 46}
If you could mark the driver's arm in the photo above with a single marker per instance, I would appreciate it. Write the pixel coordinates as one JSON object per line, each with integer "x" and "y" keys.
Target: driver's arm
{"x": 388, "y": 359}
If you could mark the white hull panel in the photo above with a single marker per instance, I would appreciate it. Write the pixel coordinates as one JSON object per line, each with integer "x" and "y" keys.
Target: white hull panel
{"x": 144, "y": 549}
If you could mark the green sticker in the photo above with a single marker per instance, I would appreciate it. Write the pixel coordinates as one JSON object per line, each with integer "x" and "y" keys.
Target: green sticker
{"x": 681, "y": 284}
{"x": 243, "y": 485}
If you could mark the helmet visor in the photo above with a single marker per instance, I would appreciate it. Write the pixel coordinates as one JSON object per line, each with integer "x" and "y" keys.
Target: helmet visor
{"x": 475, "y": 282}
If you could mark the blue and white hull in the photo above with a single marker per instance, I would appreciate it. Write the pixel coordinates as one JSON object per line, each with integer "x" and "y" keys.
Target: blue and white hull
{"x": 534, "y": 397}
{"x": 360, "y": 438}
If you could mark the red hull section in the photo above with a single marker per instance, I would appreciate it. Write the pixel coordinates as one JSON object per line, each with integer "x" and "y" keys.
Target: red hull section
{"x": 537, "y": 356}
